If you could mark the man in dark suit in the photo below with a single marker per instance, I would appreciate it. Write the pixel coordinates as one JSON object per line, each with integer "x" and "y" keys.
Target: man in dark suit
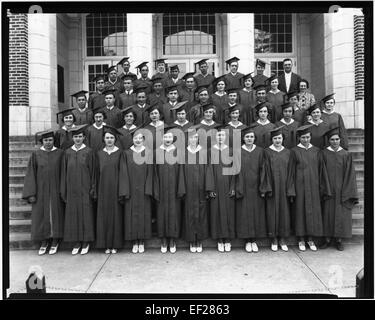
{"x": 288, "y": 80}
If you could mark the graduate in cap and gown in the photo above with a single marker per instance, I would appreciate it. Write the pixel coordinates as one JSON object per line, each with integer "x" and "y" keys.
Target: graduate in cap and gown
{"x": 114, "y": 82}
{"x": 94, "y": 133}
{"x": 259, "y": 78}
{"x": 233, "y": 78}
{"x": 337, "y": 215}
{"x": 275, "y": 96}
{"x": 261, "y": 97}
{"x": 334, "y": 119}
{"x": 289, "y": 126}
{"x": 219, "y": 98}
{"x": 63, "y": 136}
{"x": 181, "y": 121}
{"x": 167, "y": 108}
{"x": 247, "y": 97}
{"x": 144, "y": 80}
{"x": 125, "y": 64}
{"x": 234, "y": 113}
{"x": 187, "y": 89}
{"x": 127, "y": 98}
{"x": 112, "y": 112}
{"x": 173, "y": 77}
{"x": 262, "y": 127}
{"x": 168, "y": 202}
{"x": 141, "y": 108}
{"x": 96, "y": 99}
{"x": 192, "y": 188}
{"x": 309, "y": 185}
{"x": 318, "y": 128}
{"x": 299, "y": 114}
{"x": 233, "y": 101}
{"x": 278, "y": 214}
{"x": 204, "y": 78}
{"x": 77, "y": 190}
{"x": 136, "y": 192}
{"x": 82, "y": 114}
{"x": 196, "y": 112}
{"x": 42, "y": 189}
{"x": 252, "y": 184}
{"x": 125, "y": 140}
{"x": 155, "y": 126}
{"x": 161, "y": 68}
{"x": 220, "y": 182}
{"x": 157, "y": 94}
{"x": 109, "y": 217}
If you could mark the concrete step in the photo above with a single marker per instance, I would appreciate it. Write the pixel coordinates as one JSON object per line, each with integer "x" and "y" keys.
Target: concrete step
{"x": 20, "y": 145}
{"x": 30, "y": 138}
{"x": 16, "y": 179}
{"x": 15, "y": 200}
{"x": 21, "y": 153}
{"x": 358, "y": 220}
{"x": 19, "y": 213}
{"x": 356, "y": 147}
{"x": 356, "y": 139}
{"x": 18, "y": 160}
{"x": 355, "y": 132}
{"x": 358, "y": 155}
{"x": 15, "y": 188}
{"x": 17, "y": 169}
{"x": 20, "y": 225}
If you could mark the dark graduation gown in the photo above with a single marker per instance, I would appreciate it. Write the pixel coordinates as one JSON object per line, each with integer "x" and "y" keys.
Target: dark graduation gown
{"x": 96, "y": 100}
{"x": 318, "y": 139}
{"x": 135, "y": 185}
{"x": 168, "y": 206}
{"x": 222, "y": 207}
{"x": 277, "y": 202}
{"x": 220, "y": 103}
{"x": 156, "y": 132}
{"x": 63, "y": 139}
{"x": 290, "y": 133}
{"x": 114, "y": 117}
{"x": 125, "y": 141}
{"x": 118, "y": 86}
{"x": 195, "y": 114}
{"x": 168, "y": 114}
{"x": 94, "y": 138}
{"x": 334, "y": 119}
{"x": 142, "y": 114}
{"x": 234, "y": 81}
{"x": 147, "y": 82}
{"x": 309, "y": 185}
{"x": 231, "y": 129}
{"x": 263, "y": 134}
{"x": 184, "y": 127}
{"x": 155, "y": 99}
{"x": 271, "y": 111}
{"x": 251, "y": 182}
{"x": 243, "y": 114}
{"x": 192, "y": 186}
{"x": 337, "y": 215}
{"x": 276, "y": 99}
{"x": 78, "y": 191}
{"x": 84, "y": 117}
{"x": 109, "y": 222}
{"x": 42, "y": 181}
{"x": 299, "y": 115}
{"x": 259, "y": 79}
{"x": 248, "y": 100}
{"x": 206, "y": 81}
{"x": 126, "y": 100}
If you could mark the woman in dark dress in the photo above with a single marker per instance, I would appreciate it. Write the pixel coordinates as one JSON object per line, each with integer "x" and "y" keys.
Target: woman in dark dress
{"x": 275, "y": 97}
{"x": 337, "y": 215}
{"x": 318, "y": 128}
{"x": 42, "y": 189}
{"x": 247, "y": 98}
{"x": 125, "y": 140}
{"x": 289, "y": 126}
{"x": 109, "y": 222}
{"x": 95, "y": 131}
{"x": 219, "y": 98}
{"x": 63, "y": 137}
{"x": 263, "y": 126}
{"x": 78, "y": 192}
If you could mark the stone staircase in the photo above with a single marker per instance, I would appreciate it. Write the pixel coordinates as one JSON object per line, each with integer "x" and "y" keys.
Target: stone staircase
{"x": 20, "y": 149}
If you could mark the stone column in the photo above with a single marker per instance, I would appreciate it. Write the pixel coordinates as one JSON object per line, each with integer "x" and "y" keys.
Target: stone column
{"x": 339, "y": 64}
{"x": 139, "y": 32}
{"x": 241, "y": 40}
{"x": 42, "y": 71}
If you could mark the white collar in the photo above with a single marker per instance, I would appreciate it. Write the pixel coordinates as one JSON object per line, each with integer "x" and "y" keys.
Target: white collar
{"x": 263, "y": 123}
{"x": 272, "y": 147}
{"x": 110, "y": 108}
{"x": 325, "y": 111}
{"x": 169, "y": 148}
{"x": 137, "y": 151}
{"x": 287, "y": 123}
{"x": 198, "y": 148}
{"x": 208, "y": 124}
{"x": 274, "y": 92}
{"x": 204, "y": 76}
{"x": 245, "y": 148}
{"x": 174, "y": 80}
{"x": 330, "y": 149}
{"x": 172, "y": 103}
{"x": 82, "y": 110}
{"x": 129, "y": 92}
{"x": 248, "y": 91}
{"x": 44, "y": 149}
{"x": 95, "y": 126}
{"x": 224, "y": 146}
{"x": 302, "y": 146}
{"x": 75, "y": 149}
{"x": 232, "y": 104}
{"x": 131, "y": 128}
{"x": 141, "y": 106}
{"x": 220, "y": 94}
{"x": 239, "y": 124}
{"x": 233, "y": 74}
{"x": 176, "y": 122}
{"x": 158, "y": 124}
{"x": 316, "y": 124}
{"x": 66, "y": 129}
{"x": 109, "y": 80}
{"x": 110, "y": 151}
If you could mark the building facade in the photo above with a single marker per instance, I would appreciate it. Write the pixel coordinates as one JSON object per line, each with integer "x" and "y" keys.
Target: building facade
{"x": 54, "y": 55}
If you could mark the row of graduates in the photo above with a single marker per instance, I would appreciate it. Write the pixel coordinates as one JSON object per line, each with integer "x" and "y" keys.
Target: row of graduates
{"x": 106, "y": 197}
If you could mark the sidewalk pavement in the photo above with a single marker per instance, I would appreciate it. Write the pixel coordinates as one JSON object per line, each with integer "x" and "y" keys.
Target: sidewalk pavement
{"x": 325, "y": 271}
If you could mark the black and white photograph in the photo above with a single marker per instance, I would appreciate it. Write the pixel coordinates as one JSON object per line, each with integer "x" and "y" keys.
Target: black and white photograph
{"x": 187, "y": 149}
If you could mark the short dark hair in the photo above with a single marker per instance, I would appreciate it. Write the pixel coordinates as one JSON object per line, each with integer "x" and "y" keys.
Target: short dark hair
{"x": 304, "y": 80}
{"x": 287, "y": 59}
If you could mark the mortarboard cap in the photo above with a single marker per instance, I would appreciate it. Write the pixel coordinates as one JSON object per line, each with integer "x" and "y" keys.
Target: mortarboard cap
{"x": 81, "y": 93}
{"x": 131, "y": 77}
{"x": 292, "y": 94}
{"x": 78, "y": 129}
{"x": 141, "y": 88}
{"x": 111, "y": 130}
{"x": 201, "y": 88}
{"x": 330, "y": 132}
{"x": 247, "y": 76}
{"x": 140, "y": 66}
{"x": 312, "y": 108}
{"x": 247, "y": 129}
{"x": 232, "y": 90}
{"x": 158, "y": 61}
{"x": 124, "y": 59}
{"x": 39, "y": 136}
{"x": 200, "y": 62}
{"x": 231, "y": 60}
{"x": 172, "y": 68}
{"x": 180, "y": 106}
{"x": 65, "y": 112}
{"x": 154, "y": 106}
{"x": 99, "y": 77}
{"x": 217, "y": 80}
{"x": 109, "y": 91}
{"x": 286, "y": 105}
{"x": 173, "y": 87}
{"x": 207, "y": 106}
{"x": 329, "y": 97}
{"x": 188, "y": 75}
{"x": 271, "y": 78}
{"x": 276, "y": 131}
{"x": 260, "y": 63}
{"x": 110, "y": 69}
{"x": 99, "y": 110}
{"x": 157, "y": 79}
{"x": 260, "y": 87}
{"x": 261, "y": 105}
{"x": 304, "y": 129}
{"x": 234, "y": 108}
{"x": 129, "y": 110}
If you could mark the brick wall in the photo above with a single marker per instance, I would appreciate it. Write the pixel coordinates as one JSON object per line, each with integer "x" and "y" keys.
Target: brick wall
{"x": 359, "y": 57}
{"x": 18, "y": 60}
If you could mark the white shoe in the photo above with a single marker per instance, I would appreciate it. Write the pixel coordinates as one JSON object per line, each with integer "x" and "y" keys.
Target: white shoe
{"x": 199, "y": 247}
{"x": 248, "y": 247}
{"x": 75, "y": 251}
{"x": 173, "y": 249}
{"x": 301, "y": 245}
{"x": 227, "y": 246}
{"x": 254, "y": 247}
{"x": 135, "y": 248}
{"x": 312, "y": 245}
{"x": 141, "y": 247}
{"x": 114, "y": 251}
{"x": 274, "y": 247}
{"x": 85, "y": 250}
{"x": 284, "y": 247}
{"x": 164, "y": 249}
{"x": 193, "y": 249}
{"x": 107, "y": 251}
{"x": 42, "y": 251}
{"x": 220, "y": 246}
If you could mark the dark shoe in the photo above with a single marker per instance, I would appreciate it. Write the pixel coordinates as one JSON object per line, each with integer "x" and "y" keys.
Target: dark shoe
{"x": 339, "y": 246}
{"x": 325, "y": 245}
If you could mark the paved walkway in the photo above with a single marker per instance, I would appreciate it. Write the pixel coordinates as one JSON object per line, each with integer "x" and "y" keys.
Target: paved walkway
{"x": 324, "y": 271}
